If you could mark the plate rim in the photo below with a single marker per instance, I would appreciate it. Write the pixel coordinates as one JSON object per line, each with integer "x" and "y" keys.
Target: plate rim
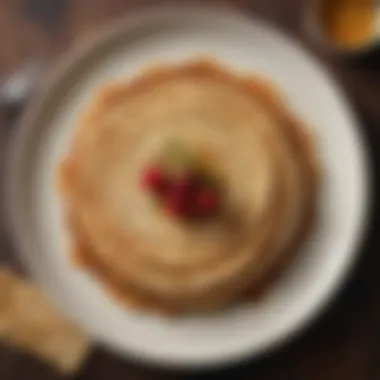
{"x": 71, "y": 60}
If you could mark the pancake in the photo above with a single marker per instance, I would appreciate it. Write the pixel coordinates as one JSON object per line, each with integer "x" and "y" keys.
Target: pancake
{"x": 239, "y": 128}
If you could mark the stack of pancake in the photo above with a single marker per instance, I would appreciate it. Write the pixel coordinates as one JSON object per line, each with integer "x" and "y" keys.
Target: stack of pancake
{"x": 244, "y": 131}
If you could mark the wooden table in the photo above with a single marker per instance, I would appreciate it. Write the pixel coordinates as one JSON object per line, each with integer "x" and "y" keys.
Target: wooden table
{"x": 345, "y": 343}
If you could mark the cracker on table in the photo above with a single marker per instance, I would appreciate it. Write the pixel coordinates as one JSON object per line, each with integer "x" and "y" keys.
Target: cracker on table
{"x": 29, "y": 322}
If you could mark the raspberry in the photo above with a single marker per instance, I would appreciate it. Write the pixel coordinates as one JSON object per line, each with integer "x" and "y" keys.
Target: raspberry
{"x": 187, "y": 183}
{"x": 177, "y": 204}
{"x": 207, "y": 202}
{"x": 181, "y": 195}
{"x": 185, "y": 195}
{"x": 154, "y": 179}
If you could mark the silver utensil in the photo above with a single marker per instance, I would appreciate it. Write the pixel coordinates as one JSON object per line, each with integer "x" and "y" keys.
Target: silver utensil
{"x": 18, "y": 87}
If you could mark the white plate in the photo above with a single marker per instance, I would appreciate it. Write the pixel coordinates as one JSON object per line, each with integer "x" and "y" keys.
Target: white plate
{"x": 172, "y": 35}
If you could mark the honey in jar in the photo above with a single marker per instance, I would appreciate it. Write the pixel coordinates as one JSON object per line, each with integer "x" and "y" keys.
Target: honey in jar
{"x": 348, "y": 23}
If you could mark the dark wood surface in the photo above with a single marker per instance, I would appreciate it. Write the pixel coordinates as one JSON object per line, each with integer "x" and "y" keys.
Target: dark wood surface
{"x": 345, "y": 343}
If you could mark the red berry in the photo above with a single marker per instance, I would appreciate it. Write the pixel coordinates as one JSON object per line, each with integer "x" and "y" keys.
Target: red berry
{"x": 154, "y": 179}
{"x": 186, "y": 183}
{"x": 180, "y": 195}
{"x": 207, "y": 201}
{"x": 177, "y": 204}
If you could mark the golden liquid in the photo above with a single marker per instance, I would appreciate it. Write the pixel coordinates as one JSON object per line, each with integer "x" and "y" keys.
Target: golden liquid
{"x": 349, "y": 22}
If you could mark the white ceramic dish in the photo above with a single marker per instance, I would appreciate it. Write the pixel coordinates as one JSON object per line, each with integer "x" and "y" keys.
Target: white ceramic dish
{"x": 172, "y": 35}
